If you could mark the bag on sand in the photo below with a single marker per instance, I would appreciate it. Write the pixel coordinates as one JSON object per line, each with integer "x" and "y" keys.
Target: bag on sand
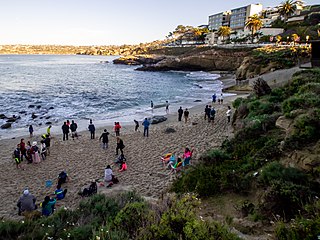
{"x": 115, "y": 180}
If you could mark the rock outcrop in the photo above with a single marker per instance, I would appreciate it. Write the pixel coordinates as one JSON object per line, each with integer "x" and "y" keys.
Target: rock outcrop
{"x": 209, "y": 60}
{"x": 138, "y": 60}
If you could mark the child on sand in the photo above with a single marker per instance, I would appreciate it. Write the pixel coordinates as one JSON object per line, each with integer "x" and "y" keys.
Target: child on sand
{"x": 48, "y": 206}
{"x": 117, "y": 127}
{"x": 60, "y": 193}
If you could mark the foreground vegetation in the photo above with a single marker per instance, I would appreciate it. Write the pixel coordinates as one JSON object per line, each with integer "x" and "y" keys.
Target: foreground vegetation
{"x": 125, "y": 216}
{"x": 256, "y": 159}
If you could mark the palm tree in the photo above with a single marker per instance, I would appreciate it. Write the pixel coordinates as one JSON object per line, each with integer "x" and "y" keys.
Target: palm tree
{"x": 224, "y": 31}
{"x": 254, "y": 23}
{"x": 287, "y": 8}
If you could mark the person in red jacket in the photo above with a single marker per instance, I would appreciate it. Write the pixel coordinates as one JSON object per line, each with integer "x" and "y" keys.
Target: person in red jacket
{"x": 117, "y": 128}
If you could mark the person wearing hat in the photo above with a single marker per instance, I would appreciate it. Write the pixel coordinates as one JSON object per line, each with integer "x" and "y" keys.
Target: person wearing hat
{"x": 35, "y": 153}
{"x": 26, "y": 203}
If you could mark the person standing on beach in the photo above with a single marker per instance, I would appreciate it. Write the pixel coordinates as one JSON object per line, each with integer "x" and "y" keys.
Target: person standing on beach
{"x": 136, "y": 125}
{"x": 229, "y": 114}
{"x": 49, "y": 130}
{"x": 31, "y": 130}
{"x": 214, "y": 97}
{"x": 105, "y": 139}
{"x": 180, "y": 112}
{"x": 120, "y": 146}
{"x": 23, "y": 149}
{"x": 186, "y": 115}
{"x": 73, "y": 128}
{"x": 17, "y": 156}
{"x": 47, "y": 141}
{"x": 117, "y": 127}
{"x": 167, "y": 107}
{"x": 151, "y": 104}
{"x": 221, "y": 98}
{"x": 212, "y": 114}
{"x": 92, "y": 129}
{"x": 65, "y": 131}
{"x": 146, "y": 125}
{"x": 208, "y": 112}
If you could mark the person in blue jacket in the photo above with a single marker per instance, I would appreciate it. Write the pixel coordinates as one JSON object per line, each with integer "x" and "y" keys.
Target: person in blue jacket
{"x": 146, "y": 125}
{"x": 60, "y": 193}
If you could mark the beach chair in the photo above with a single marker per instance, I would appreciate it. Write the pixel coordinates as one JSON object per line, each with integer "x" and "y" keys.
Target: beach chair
{"x": 176, "y": 167}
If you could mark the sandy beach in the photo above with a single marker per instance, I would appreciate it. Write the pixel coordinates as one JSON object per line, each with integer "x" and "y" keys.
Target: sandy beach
{"x": 84, "y": 159}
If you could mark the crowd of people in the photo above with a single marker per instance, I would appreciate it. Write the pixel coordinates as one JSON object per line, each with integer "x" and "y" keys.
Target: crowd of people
{"x": 35, "y": 153}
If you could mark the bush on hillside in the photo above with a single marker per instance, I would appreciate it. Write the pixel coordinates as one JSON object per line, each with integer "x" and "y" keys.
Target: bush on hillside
{"x": 285, "y": 199}
{"x": 277, "y": 172}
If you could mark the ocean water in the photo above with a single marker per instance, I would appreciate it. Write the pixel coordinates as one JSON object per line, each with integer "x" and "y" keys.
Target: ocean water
{"x": 91, "y": 87}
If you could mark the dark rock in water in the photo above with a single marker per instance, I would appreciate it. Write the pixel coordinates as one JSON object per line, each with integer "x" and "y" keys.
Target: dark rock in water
{"x": 51, "y": 108}
{"x": 40, "y": 124}
{"x": 22, "y": 112}
{"x": 33, "y": 116}
{"x": 13, "y": 118}
{"x": 157, "y": 119}
{"x": 169, "y": 130}
{"x": 40, "y": 117}
{"x": 31, "y": 106}
{"x": 198, "y": 100}
{"x": 47, "y": 117}
{"x": 48, "y": 123}
{"x": 2, "y": 116}
{"x": 6, "y": 125}
{"x": 38, "y": 106}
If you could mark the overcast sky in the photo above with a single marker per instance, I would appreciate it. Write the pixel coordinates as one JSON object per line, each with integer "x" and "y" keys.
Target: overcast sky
{"x": 105, "y": 22}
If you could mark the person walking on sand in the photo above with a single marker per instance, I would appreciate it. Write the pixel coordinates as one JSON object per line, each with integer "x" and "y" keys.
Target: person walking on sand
{"x": 92, "y": 129}
{"x": 167, "y": 107}
{"x": 180, "y": 112}
{"x": 186, "y": 115}
{"x": 146, "y": 125}
{"x": 73, "y": 128}
{"x": 105, "y": 139}
{"x": 136, "y": 127}
{"x": 65, "y": 131}
{"x": 31, "y": 130}
{"x": 120, "y": 146}
{"x": 229, "y": 114}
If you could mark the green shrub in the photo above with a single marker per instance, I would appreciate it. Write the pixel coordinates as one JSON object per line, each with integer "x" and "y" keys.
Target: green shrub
{"x": 214, "y": 156}
{"x": 277, "y": 172}
{"x": 132, "y": 217}
{"x": 306, "y": 130}
{"x": 285, "y": 199}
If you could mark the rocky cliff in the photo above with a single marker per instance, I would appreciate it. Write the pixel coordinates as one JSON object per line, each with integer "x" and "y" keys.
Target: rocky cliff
{"x": 208, "y": 60}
